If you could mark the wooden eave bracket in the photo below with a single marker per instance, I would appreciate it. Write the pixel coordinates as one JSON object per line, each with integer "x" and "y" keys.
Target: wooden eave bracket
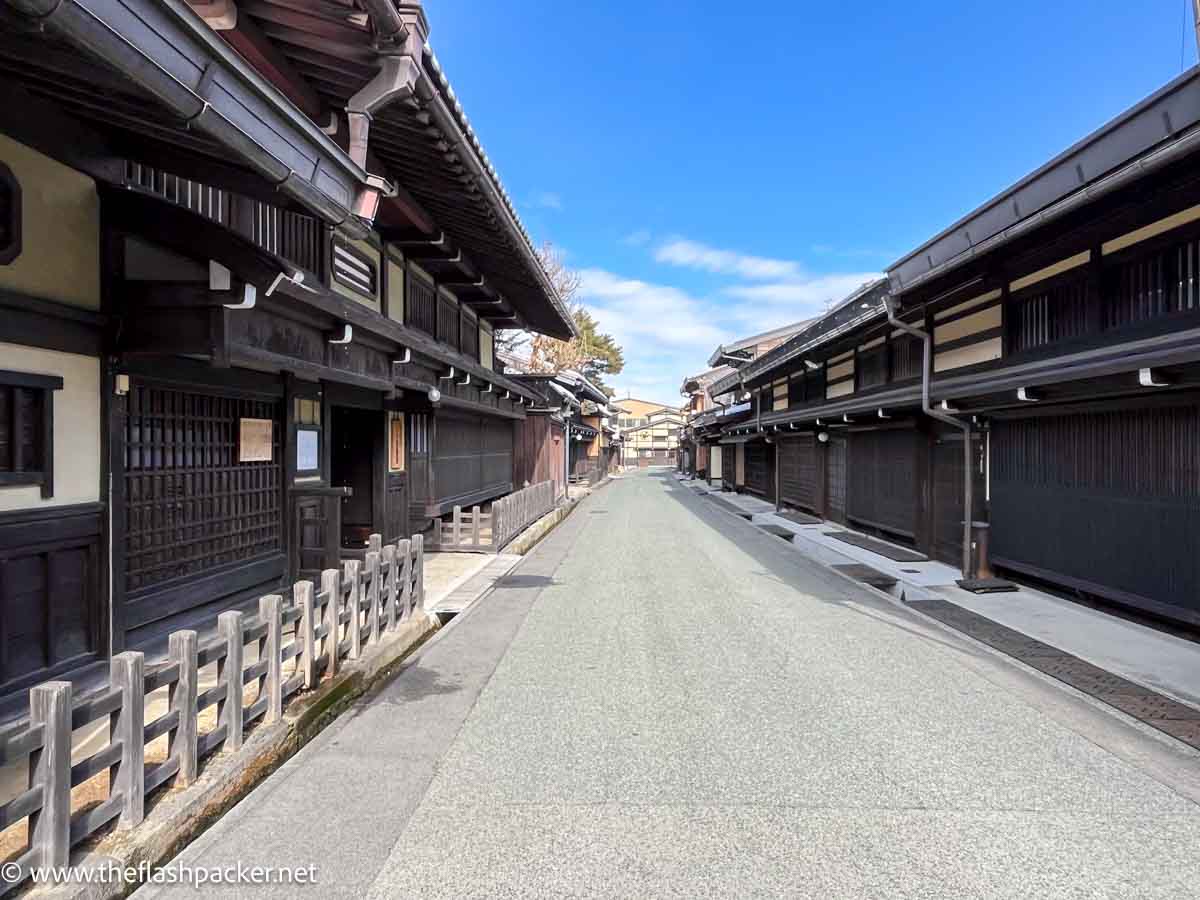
{"x": 448, "y": 375}
{"x": 1147, "y": 377}
{"x": 345, "y": 336}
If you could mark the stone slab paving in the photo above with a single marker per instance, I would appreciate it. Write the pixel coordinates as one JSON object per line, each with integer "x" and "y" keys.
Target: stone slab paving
{"x": 664, "y": 701}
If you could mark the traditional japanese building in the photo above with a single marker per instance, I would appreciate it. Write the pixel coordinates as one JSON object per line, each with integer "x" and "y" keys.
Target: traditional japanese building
{"x": 1022, "y": 392}
{"x": 251, "y": 262}
{"x": 714, "y": 402}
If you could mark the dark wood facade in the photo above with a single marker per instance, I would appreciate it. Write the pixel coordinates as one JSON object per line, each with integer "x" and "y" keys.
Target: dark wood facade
{"x": 1069, "y": 350}
{"x": 240, "y": 355}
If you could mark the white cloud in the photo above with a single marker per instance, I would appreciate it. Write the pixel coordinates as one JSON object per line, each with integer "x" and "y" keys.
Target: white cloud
{"x": 805, "y": 295}
{"x": 636, "y": 238}
{"x": 547, "y": 200}
{"x": 694, "y": 255}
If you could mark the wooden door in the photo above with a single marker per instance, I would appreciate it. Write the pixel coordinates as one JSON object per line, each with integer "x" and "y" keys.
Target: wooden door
{"x": 947, "y": 523}
{"x": 418, "y": 468}
{"x": 798, "y": 471}
{"x": 836, "y": 473}
{"x": 1104, "y": 499}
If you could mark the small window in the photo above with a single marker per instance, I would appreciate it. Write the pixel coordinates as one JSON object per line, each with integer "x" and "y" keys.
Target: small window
{"x": 27, "y": 430}
{"x": 10, "y": 216}
{"x": 355, "y": 270}
{"x": 307, "y": 417}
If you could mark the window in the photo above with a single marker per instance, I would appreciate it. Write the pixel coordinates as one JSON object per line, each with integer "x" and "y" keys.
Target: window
{"x": 354, "y": 269}
{"x": 396, "y": 441}
{"x": 1153, "y": 284}
{"x": 908, "y": 355}
{"x": 470, "y": 335}
{"x": 10, "y": 216}
{"x": 1050, "y": 312}
{"x": 447, "y": 321}
{"x": 422, "y": 304}
{"x": 872, "y": 366}
{"x": 418, "y": 434}
{"x": 307, "y": 415}
{"x": 27, "y": 430}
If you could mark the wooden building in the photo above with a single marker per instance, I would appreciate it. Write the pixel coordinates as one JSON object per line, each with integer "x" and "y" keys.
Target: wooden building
{"x": 1038, "y": 361}
{"x": 249, "y": 292}
{"x": 1065, "y": 316}
{"x": 584, "y": 437}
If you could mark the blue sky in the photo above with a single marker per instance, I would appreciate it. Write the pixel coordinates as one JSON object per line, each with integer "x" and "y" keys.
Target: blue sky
{"x": 716, "y": 169}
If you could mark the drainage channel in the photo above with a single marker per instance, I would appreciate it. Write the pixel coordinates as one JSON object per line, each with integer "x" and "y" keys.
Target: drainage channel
{"x": 1169, "y": 716}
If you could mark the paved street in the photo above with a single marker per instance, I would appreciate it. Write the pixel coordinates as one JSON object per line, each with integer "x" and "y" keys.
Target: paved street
{"x": 661, "y": 701}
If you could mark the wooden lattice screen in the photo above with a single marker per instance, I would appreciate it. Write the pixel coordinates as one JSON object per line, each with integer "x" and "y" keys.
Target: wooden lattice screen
{"x": 190, "y": 505}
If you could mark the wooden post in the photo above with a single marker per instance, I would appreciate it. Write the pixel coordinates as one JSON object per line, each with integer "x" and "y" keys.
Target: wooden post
{"x": 331, "y": 586}
{"x": 352, "y": 572}
{"x": 50, "y": 769}
{"x": 475, "y": 526}
{"x": 183, "y": 647}
{"x": 375, "y": 542}
{"x": 127, "y": 673}
{"x": 404, "y": 549}
{"x": 456, "y": 527}
{"x": 229, "y": 673}
{"x": 305, "y": 631}
{"x": 389, "y": 587}
{"x": 498, "y": 523}
{"x": 419, "y": 562}
{"x": 270, "y": 610}
{"x": 374, "y": 571}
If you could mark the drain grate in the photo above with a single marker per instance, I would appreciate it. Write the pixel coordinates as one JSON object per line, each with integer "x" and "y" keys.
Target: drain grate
{"x": 1177, "y": 719}
{"x": 889, "y": 551}
{"x": 867, "y": 575}
{"x": 778, "y": 531}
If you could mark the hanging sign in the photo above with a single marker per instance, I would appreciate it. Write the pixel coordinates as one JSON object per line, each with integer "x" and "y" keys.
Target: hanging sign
{"x": 255, "y": 444}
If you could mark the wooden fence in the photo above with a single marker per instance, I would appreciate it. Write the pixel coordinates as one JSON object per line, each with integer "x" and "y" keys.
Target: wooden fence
{"x": 488, "y": 532}
{"x": 352, "y": 609}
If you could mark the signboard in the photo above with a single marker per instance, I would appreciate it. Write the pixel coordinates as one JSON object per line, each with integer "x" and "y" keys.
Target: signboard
{"x": 255, "y": 444}
{"x": 308, "y": 450}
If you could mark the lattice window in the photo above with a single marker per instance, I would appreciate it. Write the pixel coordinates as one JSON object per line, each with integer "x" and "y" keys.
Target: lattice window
{"x": 470, "y": 335}
{"x": 796, "y": 392}
{"x": 908, "y": 355}
{"x": 871, "y": 367}
{"x": 421, "y": 311}
{"x": 447, "y": 322}
{"x": 1153, "y": 285}
{"x": 191, "y": 507}
{"x": 355, "y": 270}
{"x": 1048, "y": 314}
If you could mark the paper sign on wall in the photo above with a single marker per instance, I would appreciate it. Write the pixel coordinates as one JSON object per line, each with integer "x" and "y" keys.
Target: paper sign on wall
{"x": 255, "y": 444}
{"x": 308, "y": 450}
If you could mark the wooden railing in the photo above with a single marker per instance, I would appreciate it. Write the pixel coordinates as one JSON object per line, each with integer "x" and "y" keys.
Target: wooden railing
{"x": 355, "y": 607}
{"x": 489, "y": 532}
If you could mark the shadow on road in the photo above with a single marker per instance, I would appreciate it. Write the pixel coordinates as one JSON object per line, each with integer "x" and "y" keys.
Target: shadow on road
{"x": 417, "y": 684}
{"x": 526, "y": 581}
{"x": 784, "y": 564}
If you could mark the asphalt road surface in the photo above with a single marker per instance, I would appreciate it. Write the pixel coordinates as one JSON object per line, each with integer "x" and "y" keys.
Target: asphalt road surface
{"x": 662, "y": 701}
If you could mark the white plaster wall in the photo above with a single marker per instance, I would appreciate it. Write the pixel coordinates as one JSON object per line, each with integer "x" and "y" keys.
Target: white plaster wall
{"x": 76, "y": 426}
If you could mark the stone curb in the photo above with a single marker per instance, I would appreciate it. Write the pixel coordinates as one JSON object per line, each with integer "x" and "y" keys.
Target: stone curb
{"x": 179, "y": 817}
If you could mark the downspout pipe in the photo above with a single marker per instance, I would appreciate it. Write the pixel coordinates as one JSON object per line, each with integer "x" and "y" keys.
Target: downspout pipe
{"x": 926, "y": 407}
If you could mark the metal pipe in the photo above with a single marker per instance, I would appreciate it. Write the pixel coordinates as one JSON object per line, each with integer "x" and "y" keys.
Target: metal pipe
{"x": 387, "y": 20}
{"x": 889, "y": 303}
{"x": 84, "y": 30}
